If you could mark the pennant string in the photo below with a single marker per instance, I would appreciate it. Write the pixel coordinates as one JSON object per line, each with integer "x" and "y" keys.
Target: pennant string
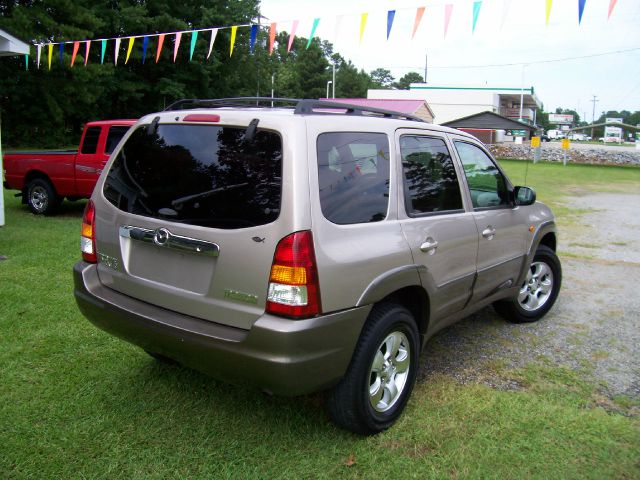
{"x": 254, "y": 29}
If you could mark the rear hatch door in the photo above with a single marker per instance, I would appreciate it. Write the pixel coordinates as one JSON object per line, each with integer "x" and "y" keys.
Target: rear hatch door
{"x": 189, "y": 218}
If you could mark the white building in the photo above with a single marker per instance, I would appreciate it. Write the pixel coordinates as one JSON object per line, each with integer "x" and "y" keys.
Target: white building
{"x": 453, "y": 102}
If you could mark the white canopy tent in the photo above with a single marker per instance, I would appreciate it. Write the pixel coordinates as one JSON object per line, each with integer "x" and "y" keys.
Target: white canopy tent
{"x": 9, "y": 46}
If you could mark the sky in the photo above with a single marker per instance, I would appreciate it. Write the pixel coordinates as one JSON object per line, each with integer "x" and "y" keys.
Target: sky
{"x": 567, "y": 63}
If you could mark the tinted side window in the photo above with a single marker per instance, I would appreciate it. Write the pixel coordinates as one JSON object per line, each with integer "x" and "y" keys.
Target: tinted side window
{"x": 487, "y": 185}
{"x": 114, "y": 136}
{"x": 353, "y": 174}
{"x": 430, "y": 180}
{"x": 199, "y": 174}
{"x": 90, "y": 144}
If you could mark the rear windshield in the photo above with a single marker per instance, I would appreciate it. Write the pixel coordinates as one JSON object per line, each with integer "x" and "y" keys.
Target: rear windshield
{"x": 199, "y": 174}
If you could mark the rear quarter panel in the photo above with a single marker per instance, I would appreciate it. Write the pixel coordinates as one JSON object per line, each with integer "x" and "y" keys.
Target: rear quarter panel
{"x": 352, "y": 258}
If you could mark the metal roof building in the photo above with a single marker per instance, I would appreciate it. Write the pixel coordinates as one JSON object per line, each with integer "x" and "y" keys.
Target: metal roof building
{"x": 416, "y": 107}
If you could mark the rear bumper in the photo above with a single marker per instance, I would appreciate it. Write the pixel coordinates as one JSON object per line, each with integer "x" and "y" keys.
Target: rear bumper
{"x": 286, "y": 357}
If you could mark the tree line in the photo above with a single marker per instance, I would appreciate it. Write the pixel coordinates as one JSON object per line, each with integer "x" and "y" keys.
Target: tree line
{"x": 47, "y": 108}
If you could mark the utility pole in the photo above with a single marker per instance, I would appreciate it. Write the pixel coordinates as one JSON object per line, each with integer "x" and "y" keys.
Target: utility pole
{"x": 593, "y": 113}
{"x": 333, "y": 84}
{"x": 426, "y": 59}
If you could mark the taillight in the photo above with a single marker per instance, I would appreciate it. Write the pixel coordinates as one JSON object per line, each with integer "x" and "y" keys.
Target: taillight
{"x": 88, "y": 234}
{"x": 294, "y": 289}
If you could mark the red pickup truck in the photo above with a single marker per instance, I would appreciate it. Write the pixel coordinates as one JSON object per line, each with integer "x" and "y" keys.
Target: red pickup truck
{"x": 46, "y": 178}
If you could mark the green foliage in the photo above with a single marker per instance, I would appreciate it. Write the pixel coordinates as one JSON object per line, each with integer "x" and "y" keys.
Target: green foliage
{"x": 48, "y": 107}
{"x": 405, "y": 82}
{"x": 381, "y": 78}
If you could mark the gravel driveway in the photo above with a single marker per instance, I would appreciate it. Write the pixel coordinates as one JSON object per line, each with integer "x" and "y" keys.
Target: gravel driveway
{"x": 594, "y": 326}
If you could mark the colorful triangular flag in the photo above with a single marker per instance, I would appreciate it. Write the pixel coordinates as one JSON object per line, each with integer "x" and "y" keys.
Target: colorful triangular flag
{"x": 192, "y": 47}
{"x": 234, "y": 31}
{"x": 76, "y": 46}
{"x": 448, "y": 10}
{"x": 159, "y": 48}
{"x": 416, "y": 22}
{"x": 129, "y": 48}
{"x": 391, "y": 14}
{"x": 292, "y": 35}
{"x": 476, "y": 11}
{"x": 214, "y": 34}
{"x": 363, "y": 25}
{"x": 316, "y": 21}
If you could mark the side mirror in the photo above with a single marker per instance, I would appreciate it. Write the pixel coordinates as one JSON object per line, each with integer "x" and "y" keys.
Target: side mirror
{"x": 524, "y": 196}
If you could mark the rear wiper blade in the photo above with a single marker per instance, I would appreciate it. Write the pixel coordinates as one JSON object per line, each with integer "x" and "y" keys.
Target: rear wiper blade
{"x": 250, "y": 132}
{"x": 152, "y": 128}
{"x": 188, "y": 198}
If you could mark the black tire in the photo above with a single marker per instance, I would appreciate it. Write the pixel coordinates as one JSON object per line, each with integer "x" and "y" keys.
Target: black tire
{"x": 42, "y": 197}
{"x": 542, "y": 284}
{"x": 351, "y": 402}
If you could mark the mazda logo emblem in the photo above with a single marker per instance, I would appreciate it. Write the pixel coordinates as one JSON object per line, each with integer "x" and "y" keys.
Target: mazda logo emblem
{"x": 161, "y": 236}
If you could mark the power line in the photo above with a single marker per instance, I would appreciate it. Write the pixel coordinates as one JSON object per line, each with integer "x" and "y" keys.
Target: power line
{"x": 528, "y": 62}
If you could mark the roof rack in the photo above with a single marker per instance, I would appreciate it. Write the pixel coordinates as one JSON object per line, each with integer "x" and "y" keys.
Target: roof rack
{"x": 300, "y": 106}
{"x": 230, "y": 102}
{"x": 319, "y": 107}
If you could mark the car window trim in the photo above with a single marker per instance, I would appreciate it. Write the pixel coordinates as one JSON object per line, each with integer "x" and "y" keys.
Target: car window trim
{"x": 507, "y": 182}
{"x": 391, "y": 180}
{"x": 439, "y": 136}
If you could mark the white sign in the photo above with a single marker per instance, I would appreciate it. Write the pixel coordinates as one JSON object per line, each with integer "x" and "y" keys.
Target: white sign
{"x": 559, "y": 118}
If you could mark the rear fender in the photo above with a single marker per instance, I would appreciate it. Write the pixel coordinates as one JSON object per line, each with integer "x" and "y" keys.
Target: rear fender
{"x": 390, "y": 282}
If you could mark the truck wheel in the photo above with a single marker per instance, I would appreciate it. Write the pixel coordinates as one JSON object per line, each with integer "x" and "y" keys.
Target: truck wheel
{"x": 374, "y": 391}
{"x": 539, "y": 291}
{"x": 41, "y": 197}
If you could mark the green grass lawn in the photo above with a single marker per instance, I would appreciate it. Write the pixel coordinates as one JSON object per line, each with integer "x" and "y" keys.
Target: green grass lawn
{"x": 78, "y": 403}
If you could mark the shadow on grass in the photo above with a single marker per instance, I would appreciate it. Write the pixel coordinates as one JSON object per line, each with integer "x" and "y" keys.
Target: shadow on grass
{"x": 180, "y": 401}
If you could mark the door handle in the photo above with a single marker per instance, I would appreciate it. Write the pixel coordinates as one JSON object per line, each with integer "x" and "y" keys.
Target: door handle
{"x": 489, "y": 232}
{"x": 429, "y": 246}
